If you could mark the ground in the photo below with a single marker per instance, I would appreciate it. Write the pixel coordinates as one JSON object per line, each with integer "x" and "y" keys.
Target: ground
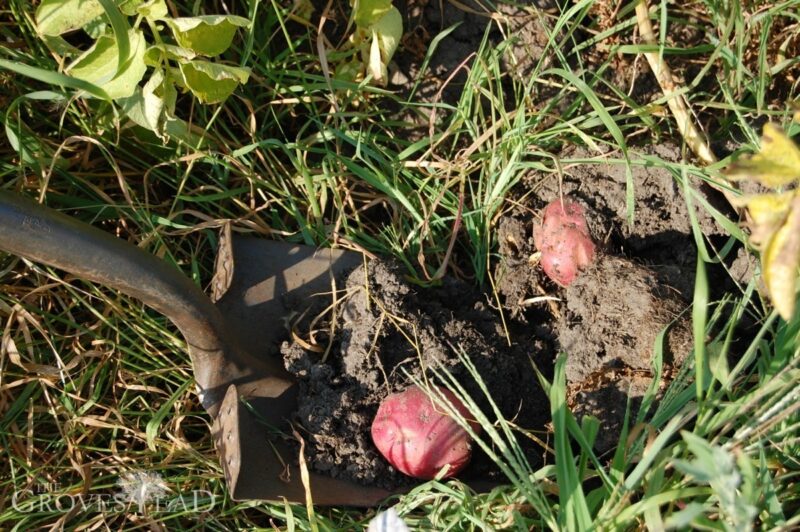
{"x": 491, "y": 111}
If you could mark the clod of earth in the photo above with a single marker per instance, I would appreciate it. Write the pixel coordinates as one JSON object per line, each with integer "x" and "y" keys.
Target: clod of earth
{"x": 418, "y": 438}
{"x": 614, "y": 313}
{"x": 564, "y": 241}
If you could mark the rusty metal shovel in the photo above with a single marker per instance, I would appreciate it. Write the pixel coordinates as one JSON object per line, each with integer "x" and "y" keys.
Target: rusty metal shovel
{"x": 232, "y": 341}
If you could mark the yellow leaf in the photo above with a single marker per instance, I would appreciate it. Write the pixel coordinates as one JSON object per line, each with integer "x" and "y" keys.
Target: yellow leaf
{"x": 777, "y": 164}
{"x": 781, "y": 260}
{"x": 767, "y": 214}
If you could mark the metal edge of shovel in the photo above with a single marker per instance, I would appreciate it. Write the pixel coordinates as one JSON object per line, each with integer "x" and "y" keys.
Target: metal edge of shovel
{"x": 232, "y": 344}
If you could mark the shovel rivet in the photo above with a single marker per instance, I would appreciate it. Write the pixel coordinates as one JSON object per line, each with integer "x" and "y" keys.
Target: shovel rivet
{"x": 229, "y": 436}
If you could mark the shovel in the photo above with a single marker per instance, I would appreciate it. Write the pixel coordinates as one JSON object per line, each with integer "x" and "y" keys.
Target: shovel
{"x": 232, "y": 341}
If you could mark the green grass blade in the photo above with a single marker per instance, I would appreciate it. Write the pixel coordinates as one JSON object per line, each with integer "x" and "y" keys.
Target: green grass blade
{"x": 121, "y": 27}
{"x": 574, "y": 514}
{"x": 54, "y": 78}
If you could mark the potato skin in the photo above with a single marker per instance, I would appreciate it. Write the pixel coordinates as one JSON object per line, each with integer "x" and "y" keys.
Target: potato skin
{"x": 418, "y": 438}
{"x": 564, "y": 240}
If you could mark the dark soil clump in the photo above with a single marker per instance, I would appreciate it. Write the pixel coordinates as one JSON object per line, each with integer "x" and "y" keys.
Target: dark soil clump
{"x": 389, "y": 330}
{"x": 613, "y": 313}
{"x": 611, "y": 318}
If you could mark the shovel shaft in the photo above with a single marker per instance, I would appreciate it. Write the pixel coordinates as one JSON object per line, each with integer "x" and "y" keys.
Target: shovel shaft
{"x": 44, "y": 235}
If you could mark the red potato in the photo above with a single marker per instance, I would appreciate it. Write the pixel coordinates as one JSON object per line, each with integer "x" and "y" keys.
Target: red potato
{"x": 563, "y": 239}
{"x": 418, "y": 438}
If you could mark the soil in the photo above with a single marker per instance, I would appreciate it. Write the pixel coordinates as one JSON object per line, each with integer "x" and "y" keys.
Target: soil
{"x": 391, "y": 330}
{"x": 445, "y": 76}
{"x": 608, "y": 320}
{"x": 612, "y": 314}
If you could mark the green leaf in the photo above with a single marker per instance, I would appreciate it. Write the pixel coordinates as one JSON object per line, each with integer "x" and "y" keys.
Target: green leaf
{"x": 98, "y": 65}
{"x": 129, "y": 7}
{"x": 389, "y": 29}
{"x": 155, "y": 54}
{"x": 208, "y": 35}
{"x": 154, "y": 9}
{"x": 368, "y": 12}
{"x": 386, "y": 35}
{"x": 141, "y": 111}
{"x": 776, "y": 164}
{"x": 211, "y": 82}
{"x": 54, "y": 17}
{"x": 145, "y": 107}
{"x": 96, "y": 27}
{"x": 60, "y": 46}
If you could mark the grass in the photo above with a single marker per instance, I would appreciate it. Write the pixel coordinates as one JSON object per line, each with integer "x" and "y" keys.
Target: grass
{"x": 94, "y": 386}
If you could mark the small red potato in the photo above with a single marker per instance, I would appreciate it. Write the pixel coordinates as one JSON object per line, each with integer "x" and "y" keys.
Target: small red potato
{"x": 563, "y": 239}
{"x": 418, "y": 438}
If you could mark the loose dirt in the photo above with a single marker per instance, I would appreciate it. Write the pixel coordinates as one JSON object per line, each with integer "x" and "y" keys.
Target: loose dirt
{"x": 609, "y": 320}
{"x": 391, "y": 330}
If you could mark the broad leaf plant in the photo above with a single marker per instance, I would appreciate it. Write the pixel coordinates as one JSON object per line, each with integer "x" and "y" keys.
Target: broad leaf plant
{"x": 119, "y": 59}
{"x": 378, "y": 30}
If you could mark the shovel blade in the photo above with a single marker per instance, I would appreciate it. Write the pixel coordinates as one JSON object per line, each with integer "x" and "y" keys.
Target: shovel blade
{"x": 259, "y": 284}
